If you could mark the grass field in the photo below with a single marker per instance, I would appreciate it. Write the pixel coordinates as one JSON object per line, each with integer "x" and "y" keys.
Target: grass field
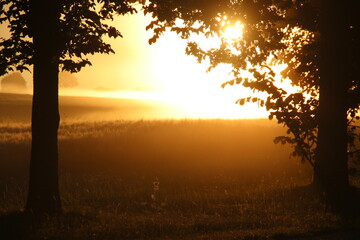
{"x": 167, "y": 179}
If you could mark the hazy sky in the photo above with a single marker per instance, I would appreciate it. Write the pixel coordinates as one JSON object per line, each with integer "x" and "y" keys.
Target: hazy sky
{"x": 126, "y": 69}
{"x": 164, "y": 69}
{"x": 140, "y": 66}
{"x": 136, "y": 65}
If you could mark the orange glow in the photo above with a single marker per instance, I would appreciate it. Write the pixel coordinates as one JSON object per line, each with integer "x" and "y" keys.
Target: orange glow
{"x": 232, "y": 32}
{"x": 162, "y": 72}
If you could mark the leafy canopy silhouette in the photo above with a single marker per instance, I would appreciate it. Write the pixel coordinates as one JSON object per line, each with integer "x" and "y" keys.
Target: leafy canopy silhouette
{"x": 81, "y": 31}
{"x": 274, "y": 32}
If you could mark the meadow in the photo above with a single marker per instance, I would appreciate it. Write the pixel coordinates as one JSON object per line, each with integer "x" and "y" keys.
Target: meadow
{"x": 165, "y": 179}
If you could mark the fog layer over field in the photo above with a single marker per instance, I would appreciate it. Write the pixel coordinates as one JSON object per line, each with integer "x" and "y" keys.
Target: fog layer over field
{"x": 125, "y": 106}
{"x": 99, "y": 132}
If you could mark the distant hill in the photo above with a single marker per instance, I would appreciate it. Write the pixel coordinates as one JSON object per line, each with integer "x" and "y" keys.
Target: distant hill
{"x": 13, "y": 83}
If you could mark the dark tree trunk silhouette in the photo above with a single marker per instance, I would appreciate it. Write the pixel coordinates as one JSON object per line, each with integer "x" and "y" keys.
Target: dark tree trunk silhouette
{"x": 43, "y": 193}
{"x": 331, "y": 169}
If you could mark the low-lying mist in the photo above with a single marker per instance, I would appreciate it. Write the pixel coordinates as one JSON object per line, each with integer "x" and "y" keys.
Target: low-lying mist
{"x": 100, "y": 133}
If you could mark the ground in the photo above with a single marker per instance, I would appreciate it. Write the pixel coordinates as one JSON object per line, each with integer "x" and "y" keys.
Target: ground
{"x": 167, "y": 179}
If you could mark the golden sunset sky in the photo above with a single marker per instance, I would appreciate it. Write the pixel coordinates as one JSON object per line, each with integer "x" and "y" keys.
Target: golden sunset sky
{"x": 161, "y": 72}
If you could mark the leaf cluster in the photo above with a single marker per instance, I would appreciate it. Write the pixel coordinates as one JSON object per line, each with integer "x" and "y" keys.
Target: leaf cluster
{"x": 274, "y": 32}
{"x": 81, "y": 30}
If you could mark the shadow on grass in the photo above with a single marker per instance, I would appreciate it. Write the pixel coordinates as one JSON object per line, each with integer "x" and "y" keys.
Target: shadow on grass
{"x": 349, "y": 215}
{"x": 93, "y": 225}
{"x": 25, "y": 226}
{"x": 15, "y": 225}
{"x": 348, "y": 209}
{"x": 341, "y": 234}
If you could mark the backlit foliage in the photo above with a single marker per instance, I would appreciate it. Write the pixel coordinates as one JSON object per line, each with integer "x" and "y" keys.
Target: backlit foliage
{"x": 274, "y": 32}
{"x": 83, "y": 26}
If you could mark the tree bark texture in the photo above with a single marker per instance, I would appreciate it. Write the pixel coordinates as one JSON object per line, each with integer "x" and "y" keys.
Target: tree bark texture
{"x": 43, "y": 192}
{"x": 331, "y": 168}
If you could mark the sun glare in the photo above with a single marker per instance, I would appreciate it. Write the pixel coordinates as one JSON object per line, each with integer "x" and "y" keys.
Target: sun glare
{"x": 163, "y": 73}
{"x": 232, "y": 32}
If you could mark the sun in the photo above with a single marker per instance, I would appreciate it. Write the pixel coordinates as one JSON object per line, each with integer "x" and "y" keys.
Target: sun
{"x": 232, "y": 32}
{"x": 189, "y": 86}
{"x": 163, "y": 72}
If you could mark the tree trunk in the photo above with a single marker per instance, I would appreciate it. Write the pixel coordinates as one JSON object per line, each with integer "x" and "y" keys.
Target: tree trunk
{"x": 331, "y": 169}
{"x": 43, "y": 193}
